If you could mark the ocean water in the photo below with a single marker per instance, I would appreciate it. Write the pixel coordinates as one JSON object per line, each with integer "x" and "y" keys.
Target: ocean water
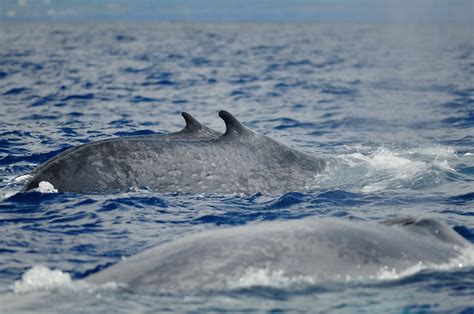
{"x": 392, "y": 107}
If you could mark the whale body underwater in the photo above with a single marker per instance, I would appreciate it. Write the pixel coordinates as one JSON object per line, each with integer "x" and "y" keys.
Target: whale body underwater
{"x": 304, "y": 251}
{"x": 193, "y": 160}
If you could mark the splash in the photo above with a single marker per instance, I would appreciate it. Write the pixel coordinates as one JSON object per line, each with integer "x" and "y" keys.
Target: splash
{"x": 369, "y": 171}
{"x": 12, "y": 186}
{"x": 41, "y": 278}
{"x": 465, "y": 259}
{"x": 46, "y": 187}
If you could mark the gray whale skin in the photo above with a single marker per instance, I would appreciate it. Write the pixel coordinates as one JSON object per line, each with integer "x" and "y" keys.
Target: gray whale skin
{"x": 310, "y": 249}
{"x": 195, "y": 160}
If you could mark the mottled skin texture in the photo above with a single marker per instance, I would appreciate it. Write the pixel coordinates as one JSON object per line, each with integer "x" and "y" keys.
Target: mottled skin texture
{"x": 193, "y": 131}
{"x": 316, "y": 249}
{"x": 195, "y": 160}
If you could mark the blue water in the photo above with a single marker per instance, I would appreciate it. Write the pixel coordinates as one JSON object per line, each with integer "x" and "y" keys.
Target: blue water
{"x": 391, "y": 106}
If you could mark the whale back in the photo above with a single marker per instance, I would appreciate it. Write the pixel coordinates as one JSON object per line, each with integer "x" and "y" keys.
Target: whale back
{"x": 194, "y": 160}
{"x": 427, "y": 227}
{"x": 193, "y": 131}
{"x": 313, "y": 250}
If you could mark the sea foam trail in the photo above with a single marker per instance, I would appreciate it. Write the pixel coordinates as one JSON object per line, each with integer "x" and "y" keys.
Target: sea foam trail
{"x": 369, "y": 170}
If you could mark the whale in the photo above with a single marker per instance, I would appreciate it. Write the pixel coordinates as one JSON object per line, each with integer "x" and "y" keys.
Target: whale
{"x": 196, "y": 159}
{"x": 192, "y": 131}
{"x": 304, "y": 251}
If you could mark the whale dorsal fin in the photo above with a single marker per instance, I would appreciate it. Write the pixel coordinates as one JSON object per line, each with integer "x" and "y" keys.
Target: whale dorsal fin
{"x": 191, "y": 123}
{"x": 427, "y": 226}
{"x": 194, "y": 130}
{"x": 233, "y": 126}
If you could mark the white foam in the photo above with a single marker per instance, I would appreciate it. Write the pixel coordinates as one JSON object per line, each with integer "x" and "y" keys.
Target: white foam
{"x": 436, "y": 151}
{"x": 45, "y": 187}
{"x": 383, "y": 159}
{"x": 41, "y": 278}
{"x": 268, "y": 278}
{"x": 443, "y": 164}
{"x": 464, "y": 259}
{"x": 383, "y": 169}
{"x": 6, "y": 194}
{"x": 22, "y": 178}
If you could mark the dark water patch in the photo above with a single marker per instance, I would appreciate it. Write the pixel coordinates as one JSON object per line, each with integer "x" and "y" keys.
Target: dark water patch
{"x": 286, "y": 201}
{"x": 459, "y": 104}
{"x": 69, "y": 131}
{"x": 329, "y": 62}
{"x": 465, "y": 121}
{"x": 140, "y": 99}
{"x": 179, "y": 101}
{"x": 159, "y": 76}
{"x": 142, "y": 57}
{"x": 40, "y": 117}
{"x": 285, "y": 86}
{"x": 466, "y": 170}
{"x": 32, "y": 66}
{"x": 240, "y": 94}
{"x": 467, "y": 140}
{"x": 465, "y": 232}
{"x": 135, "y": 133}
{"x": 75, "y": 114}
{"x": 231, "y": 219}
{"x": 75, "y": 217}
{"x": 298, "y": 63}
{"x": 134, "y": 202}
{"x": 200, "y": 61}
{"x": 243, "y": 78}
{"x": 30, "y": 198}
{"x": 134, "y": 70}
{"x": 419, "y": 308}
{"x": 458, "y": 212}
{"x": 267, "y": 48}
{"x": 341, "y": 198}
{"x": 461, "y": 199}
{"x": 121, "y": 122}
{"x": 337, "y": 90}
{"x": 288, "y": 123}
{"x": 175, "y": 56}
{"x": 3, "y": 75}
{"x": 124, "y": 38}
{"x": 468, "y": 92}
{"x": 79, "y": 97}
{"x": 33, "y": 158}
{"x": 43, "y": 101}
{"x": 159, "y": 83}
{"x": 16, "y": 91}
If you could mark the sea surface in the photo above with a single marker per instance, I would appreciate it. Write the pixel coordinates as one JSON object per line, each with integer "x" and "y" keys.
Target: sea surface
{"x": 392, "y": 107}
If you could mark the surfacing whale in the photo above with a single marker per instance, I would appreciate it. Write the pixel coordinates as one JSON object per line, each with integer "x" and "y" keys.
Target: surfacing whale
{"x": 195, "y": 160}
{"x": 307, "y": 250}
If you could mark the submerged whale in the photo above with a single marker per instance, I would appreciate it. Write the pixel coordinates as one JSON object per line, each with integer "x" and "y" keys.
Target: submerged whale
{"x": 195, "y": 160}
{"x": 308, "y": 250}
